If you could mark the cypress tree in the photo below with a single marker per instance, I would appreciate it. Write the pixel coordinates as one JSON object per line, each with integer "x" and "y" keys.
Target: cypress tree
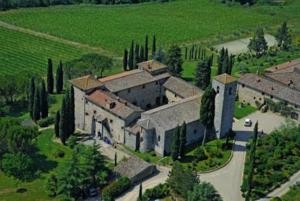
{"x": 141, "y": 192}
{"x": 59, "y": 78}
{"x": 146, "y": 48}
{"x": 50, "y": 79}
{"x": 56, "y": 124}
{"x": 137, "y": 55}
{"x": 182, "y": 140}
{"x": 175, "y": 60}
{"x": 116, "y": 159}
{"x": 131, "y": 56}
{"x": 43, "y": 100}
{"x": 153, "y": 46}
{"x": 175, "y": 144}
{"x": 258, "y": 43}
{"x": 185, "y": 53}
{"x": 125, "y": 60}
{"x": 72, "y": 111}
{"x": 31, "y": 97}
{"x": 225, "y": 62}
{"x": 203, "y": 72}
{"x": 36, "y": 105}
{"x": 220, "y": 61}
{"x": 68, "y": 113}
{"x": 207, "y": 110}
{"x": 63, "y": 125}
{"x": 252, "y": 162}
{"x": 142, "y": 53}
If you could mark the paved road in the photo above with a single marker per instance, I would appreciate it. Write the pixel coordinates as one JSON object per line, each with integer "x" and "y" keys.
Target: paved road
{"x": 229, "y": 179}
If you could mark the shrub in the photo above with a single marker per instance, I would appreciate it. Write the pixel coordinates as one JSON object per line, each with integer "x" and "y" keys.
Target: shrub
{"x": 46, "y": 121}
{"x": 159, "y": 191}
{"x": 116, "y": 188}
{"x": 59, "y": 154}
{"x": 200, "y": 153}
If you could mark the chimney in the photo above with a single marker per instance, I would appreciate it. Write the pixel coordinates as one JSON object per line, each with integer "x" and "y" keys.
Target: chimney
{"x": 112, "y": 105}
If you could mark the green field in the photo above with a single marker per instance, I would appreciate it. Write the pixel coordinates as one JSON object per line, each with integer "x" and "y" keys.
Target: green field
{"x": 181, "y": 21}
{"x": 20, "y": 51}
{"x": 292, "y": 195}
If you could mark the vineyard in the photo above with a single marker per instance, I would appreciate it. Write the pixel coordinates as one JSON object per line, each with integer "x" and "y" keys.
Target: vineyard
{"x": 20, "y": 51}
{"x": 113, "y": 27}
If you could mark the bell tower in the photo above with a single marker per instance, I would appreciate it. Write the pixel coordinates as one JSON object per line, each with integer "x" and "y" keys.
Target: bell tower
{"x": 225, "y": 87}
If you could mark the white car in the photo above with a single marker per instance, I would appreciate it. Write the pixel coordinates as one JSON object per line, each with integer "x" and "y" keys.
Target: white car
{"x": 248, "y": 123}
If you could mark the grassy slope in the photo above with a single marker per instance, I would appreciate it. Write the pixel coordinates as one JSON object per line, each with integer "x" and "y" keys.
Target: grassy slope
{"x": 36, "y": 188}
{"x": 20, "y": 51}
{"x": 113, "y": 27}
{"x": 292, "y": 195}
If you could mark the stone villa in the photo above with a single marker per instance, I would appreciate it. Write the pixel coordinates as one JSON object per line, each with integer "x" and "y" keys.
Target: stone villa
{"x": 141, "y": 108}
{"x": 279, "y": 83}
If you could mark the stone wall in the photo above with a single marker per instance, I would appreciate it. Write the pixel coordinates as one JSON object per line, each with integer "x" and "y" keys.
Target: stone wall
{"x": 172, "y": 97}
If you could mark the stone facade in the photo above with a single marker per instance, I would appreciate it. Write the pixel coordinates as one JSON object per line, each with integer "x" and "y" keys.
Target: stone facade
{"x": 142, "y": 108}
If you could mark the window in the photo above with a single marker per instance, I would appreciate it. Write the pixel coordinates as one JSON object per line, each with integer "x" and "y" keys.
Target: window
{"x": 128, "y": 90}
{"x": 271, "y": 97}
{"x": 230, "y": 91}
{"x": 156, "y": 82}
{"x": 144, "y": 86}
{"x": 195, "y": 131}
{"x": 254, "y": 97}
{"x": 259, "y": 99}
{"x": 218, "y": 89}
{"x": 262, "y": 93}
{"x": 87, "y": 114}
{"x": 243, "y": 85}
{"x": 141, "y": 139}
{"x": 111, "y": 121}
{"x": 158, "y": 138}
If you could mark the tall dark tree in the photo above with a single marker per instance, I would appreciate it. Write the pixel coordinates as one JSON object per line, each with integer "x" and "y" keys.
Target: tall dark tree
{"x": 207, "y": 110}
{"x": 125, "y": 60}
{"x": 141, "y": 191}
{"x": 175, "y": 144}
{"x": 153, "y": 46}
{"x": 59, "y": 78}
{"x": 116, "y": 159}
{"x": 131, "y": 56}
{"x": 63, "y": 123}
{"x": 284, "y": 37}
{"x": 203, "y": 74}
{"x": 258, "y": 43}
{"x": 175, "y": 60}
{"x": 50, "y": 79}
{"x": 136, "y": 55}
{"x": 31, "y": 97}
{"x": 252, "y": 163}
{"x": 43, "y": 100}
{"x": 183, "y": 140}
{"x": 56, "y": 124}
{"x": 72, "y": 111}
{"x": 146, "y": 48}
{"x": 36, "y": 112}
{"x": 204, "y": 192}
{"x": 142, "y": 53}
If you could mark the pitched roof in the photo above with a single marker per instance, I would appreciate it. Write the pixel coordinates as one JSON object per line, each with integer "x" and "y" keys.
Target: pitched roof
{"x": 131, "y": 167}
{"x": 225, "y": 78}
{"x": 152, "y": 65}
{"x": 112, "y": 103}
{"x": 284, "y": 67}
{"x": 181, "y": 87}
{"x": 291, "y": 79}
{"x": 273, "y": 88}
{"x": 127, "y": 80}
{"x": 167, "y": 117}
{"x": 86, "y": 82}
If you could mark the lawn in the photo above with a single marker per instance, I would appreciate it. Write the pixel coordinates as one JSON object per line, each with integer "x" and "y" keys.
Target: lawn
{"x": 242, "y": 111}
{"x": 23, "y": 52}
{"x": 35, "y": 190}
{"x": 181, "y": 21}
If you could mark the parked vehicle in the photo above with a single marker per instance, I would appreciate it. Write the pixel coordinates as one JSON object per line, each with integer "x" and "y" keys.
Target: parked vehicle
{"x": 248, "y": 123}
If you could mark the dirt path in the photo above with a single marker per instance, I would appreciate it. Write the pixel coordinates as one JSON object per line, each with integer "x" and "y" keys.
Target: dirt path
{"x": 55, "y": 38}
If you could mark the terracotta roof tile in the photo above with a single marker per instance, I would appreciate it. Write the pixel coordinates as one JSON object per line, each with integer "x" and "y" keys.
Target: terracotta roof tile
{"x": 225, "y": 78}
{"x": 86, "y": 82}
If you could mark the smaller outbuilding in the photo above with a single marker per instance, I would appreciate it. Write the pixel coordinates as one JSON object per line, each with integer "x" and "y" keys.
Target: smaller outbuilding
{"x": 135, "y": 169}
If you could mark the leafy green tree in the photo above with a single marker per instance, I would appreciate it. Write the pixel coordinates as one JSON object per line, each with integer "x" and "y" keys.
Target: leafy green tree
{"x": 175, "y": 144}
{"x": 160, "y": 55}
{"x": 183, "y": 140}
{"x": 207, "y": 110}
{"x": 50, "y": 79}
{"x": 36, "y": 112}
{"x": 203, "y": 74}
{"x": 204, "y": 192}
{"x": 181, "y": 180}
{"x": 43, "y": 100}
{"x": 258, "y": 43}
{"x": 56, "y": 124}
{"x": 284, "y": 37}
{"x": 93, "y": 161}
{"x": 175, "y": 61}
{"x": 18, "y": 165}
{"x": 59, "y": 78}
{"x": 99, "y": 63}
{"x": 125, "y": 60}
{"x": 51, "y": 185}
